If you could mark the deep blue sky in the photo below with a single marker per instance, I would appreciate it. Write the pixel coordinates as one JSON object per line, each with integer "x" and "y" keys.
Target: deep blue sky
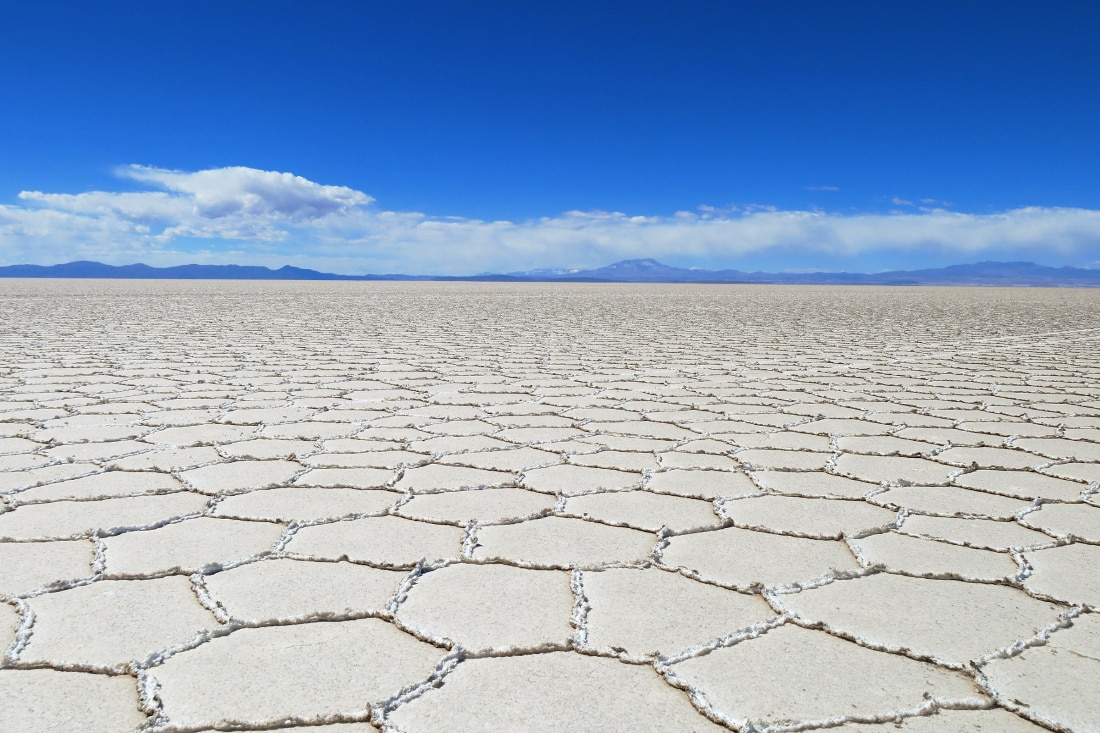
{"x": 516, "y": 110}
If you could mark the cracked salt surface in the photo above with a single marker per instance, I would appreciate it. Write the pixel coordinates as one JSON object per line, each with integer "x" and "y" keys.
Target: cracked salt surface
{"x": 343, "y": 507}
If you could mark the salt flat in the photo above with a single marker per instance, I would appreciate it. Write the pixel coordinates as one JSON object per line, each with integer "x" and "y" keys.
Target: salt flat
{"x": 342, "y": 507}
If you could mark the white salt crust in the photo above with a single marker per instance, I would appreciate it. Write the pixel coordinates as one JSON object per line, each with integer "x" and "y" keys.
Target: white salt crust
{"x": 343, "y": 507}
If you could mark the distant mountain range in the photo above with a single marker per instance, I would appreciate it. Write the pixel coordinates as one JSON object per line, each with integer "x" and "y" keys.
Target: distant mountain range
{"x": 633, "y": 271}
{"x": 978, "y": 273}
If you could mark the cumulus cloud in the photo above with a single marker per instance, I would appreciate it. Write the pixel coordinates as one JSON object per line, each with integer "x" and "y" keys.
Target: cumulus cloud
{"x": 252, "y": 216}
{"x": 232, "y": 203}
{"x": 222, "y": 192}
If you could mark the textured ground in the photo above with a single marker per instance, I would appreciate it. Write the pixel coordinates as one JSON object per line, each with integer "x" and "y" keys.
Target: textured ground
{"x": 339, "y": 507}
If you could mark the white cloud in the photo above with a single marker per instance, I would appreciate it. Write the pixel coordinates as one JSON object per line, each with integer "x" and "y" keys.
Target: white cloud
{"x": 821, "y": 188}
{"x": 234, "y": 203}
{"x": 251, "y": 216}
{"x": 221, "y": 192}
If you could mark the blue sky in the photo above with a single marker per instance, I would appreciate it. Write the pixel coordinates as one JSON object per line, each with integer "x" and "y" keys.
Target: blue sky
{"x": 460, "y": 137}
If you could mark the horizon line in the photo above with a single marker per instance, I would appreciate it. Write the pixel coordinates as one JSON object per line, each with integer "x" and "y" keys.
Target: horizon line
{"x": 643, "y": 270}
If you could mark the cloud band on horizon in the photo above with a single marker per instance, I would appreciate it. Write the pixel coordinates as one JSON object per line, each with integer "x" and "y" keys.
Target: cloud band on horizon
{"x": 250, "y": 216}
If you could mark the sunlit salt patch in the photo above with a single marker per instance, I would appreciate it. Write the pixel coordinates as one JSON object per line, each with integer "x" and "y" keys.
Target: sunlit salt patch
{"x": 991, "y": 457}
{"x": 342, "y": 415}
{"x": 799, "y": 661}
{"x": 510, "y": 460}
{"x": 561, "y": 690}
{"x": 204, "y": 434}
{"x": 243, "y": 475}
{"x": 302, "y": 589}
{"x": 458, "y": 427}
{"x": 144, "y": 616}
{"x": 49, "y": 698}
{"x": 560, "y": 543}
{"x": 491, "y": 607}
{"x": 813, "y": 483}
{"x": 484, "y": 505}
{"x": 27, "y": 566}
{"x": 703, "y": 446}
{"x": 807, "y": 517}
{"x": 108, "y": 484}
{"x": 1067, "y": 520}
{"x": 643, "y": 510}
{"x": 885, "y": 445}
{"x": 933, "y": 721}
{"x": 1054, "y": 679}
{"x": 92, "y": 434}
{"x": 701, "y": 484}
{"x": 307, "y": 430}
{"x": 643, "y": 429}
{"x": 1091, "y": 434}
{"x": 438, "y": 477}
{"x": 296, "y": 503}
{"x": 356, "y": 445}
{"x": 949, "y": 501}
{"x": 181, "y": 418}
{"x": 1022, "y": 484}
{"x": 682, "y": 459}
{"x": 1087, "y": 472}
{"x": 573, "y": 479}
{"x": 17, "y": 479}
{"x": 782, "y": 440}
{"x": 746, "y": 559}
{"x": 448, "y": 444}
{"x": 480, "y": 399}
{"x": 924, "y": 557}
{"x": 388, "y": 459}
{"x": 34, "y": 414}
{"x": 265, "y": 416}
{"x": 791, "y": 460}
{"x": 893, "y": 469}
{"x": 604, "y": 441}
{"x": 341, "y": 668}
{"x": 18, "y": 445}
{"x": 1055, "y": 572}
{"x": 384, "y": 541}
{"x": 841, "y": 426}
{"x": 267, "y": 448}
{"x": 97, "y": 451}
{"x": 821, "y": 410}
{"x": 188, "y": 546}
{"x": 626, "y": 460}
{"x": 646, "y": 612}
{"x": 943, "y": 436}
{"x": 61, "y": 520}
{"x": 683, "y": 415}
{"x": 91, "y": 420}
{"x": 974, "y": 532}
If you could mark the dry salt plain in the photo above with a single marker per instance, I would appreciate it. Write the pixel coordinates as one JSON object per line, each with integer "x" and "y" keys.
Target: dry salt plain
{"x": 342, "y": 507}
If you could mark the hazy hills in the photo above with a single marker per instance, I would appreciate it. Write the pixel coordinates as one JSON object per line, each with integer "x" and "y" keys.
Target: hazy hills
{"x": 978, "y": 273}
{"x": 636, "y": 271}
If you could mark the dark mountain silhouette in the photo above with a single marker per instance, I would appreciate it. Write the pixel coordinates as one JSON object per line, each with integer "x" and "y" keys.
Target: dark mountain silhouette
{"x": 636, "y": 271}
{"x": 181, "y": 272}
